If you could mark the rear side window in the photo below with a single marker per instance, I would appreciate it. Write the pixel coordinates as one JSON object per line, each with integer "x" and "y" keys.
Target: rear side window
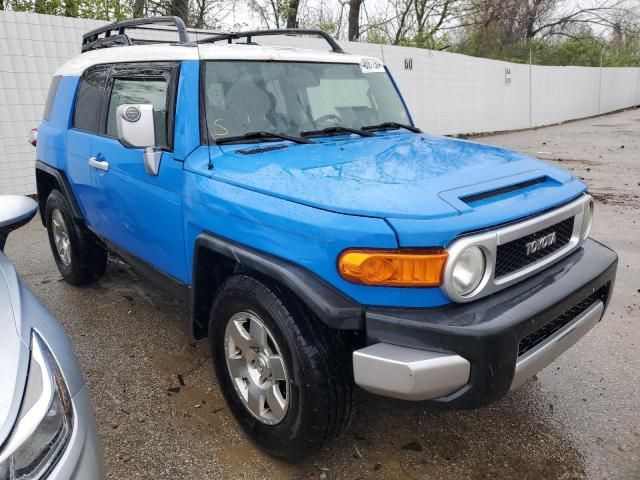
{"x": 152, "y": 91}
{"x": 53, "y": 89}
{"x": 89, "y": 100}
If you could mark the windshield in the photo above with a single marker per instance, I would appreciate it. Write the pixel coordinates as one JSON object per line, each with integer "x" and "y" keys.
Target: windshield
{"x": 292, "y": 97}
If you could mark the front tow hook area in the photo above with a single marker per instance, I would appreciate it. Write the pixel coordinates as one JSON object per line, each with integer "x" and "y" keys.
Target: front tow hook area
{"x": 409, "y": 373}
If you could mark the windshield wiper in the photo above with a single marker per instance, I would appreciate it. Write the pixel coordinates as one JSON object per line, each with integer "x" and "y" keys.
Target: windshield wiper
{"x": 391, "y": 126}
{"x": 261, "y": 136}
{"x": 336, "y": 131}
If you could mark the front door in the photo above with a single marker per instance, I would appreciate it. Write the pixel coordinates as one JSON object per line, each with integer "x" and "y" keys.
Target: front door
{"x": 138, "y": 212}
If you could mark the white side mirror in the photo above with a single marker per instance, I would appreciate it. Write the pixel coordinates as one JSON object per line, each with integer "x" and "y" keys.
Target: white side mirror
{"x": 135, "y": 125}
{"x": 136, "y": 129}
{"x": 15, "y": 211}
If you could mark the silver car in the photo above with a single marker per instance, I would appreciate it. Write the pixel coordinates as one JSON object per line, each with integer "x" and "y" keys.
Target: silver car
{"x": 47, "y": 427}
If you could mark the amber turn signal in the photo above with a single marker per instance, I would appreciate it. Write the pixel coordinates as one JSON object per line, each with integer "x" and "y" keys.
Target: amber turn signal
{"x": 393, "y": 268}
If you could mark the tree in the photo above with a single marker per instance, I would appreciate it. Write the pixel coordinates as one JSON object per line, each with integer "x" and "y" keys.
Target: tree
{"x": 276, "y": 13}
{"x": 180, "y": 8}
{"x": 71, "y": 8}
{"x": 419, "y": 22}
{"x": 292, "y": 13}
{"x": 518, "y": 20}
{"x": 328, "y": 15}
{"x": 553, "y": 32}
{"x": 354, "y": 19}
{"x": 138, "y": 9}
{"x": 48, "y": 7}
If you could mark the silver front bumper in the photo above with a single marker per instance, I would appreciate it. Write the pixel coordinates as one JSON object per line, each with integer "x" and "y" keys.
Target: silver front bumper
{"x": 408, "y": 373}
{"x": 413, "y": 374}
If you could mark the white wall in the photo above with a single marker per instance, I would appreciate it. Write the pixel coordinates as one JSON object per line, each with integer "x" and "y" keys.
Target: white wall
{"x": 32, "y": 47}
{"x": 447, "y": 93}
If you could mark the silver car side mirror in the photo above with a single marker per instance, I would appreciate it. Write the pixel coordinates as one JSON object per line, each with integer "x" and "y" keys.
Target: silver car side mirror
{"x": 136, "y": 129}
{"x": 15, "y": 211}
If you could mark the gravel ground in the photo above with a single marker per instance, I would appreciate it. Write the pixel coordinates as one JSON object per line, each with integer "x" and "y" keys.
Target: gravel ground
{"x": 578, "y": 419}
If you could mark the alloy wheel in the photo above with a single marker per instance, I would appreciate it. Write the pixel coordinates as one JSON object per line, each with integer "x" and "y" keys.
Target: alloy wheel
{"x": 257, "y": 368}
{"x": 61, "y": 237}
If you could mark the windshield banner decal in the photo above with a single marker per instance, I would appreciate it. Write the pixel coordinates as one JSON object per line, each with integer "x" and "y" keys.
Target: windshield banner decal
{"x": 371, "y": 65}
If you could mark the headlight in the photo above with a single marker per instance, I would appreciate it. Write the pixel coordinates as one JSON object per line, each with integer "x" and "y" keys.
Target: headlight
{"x": 587, "y": 220}
{"x": 45, "y": 422}
{"x": 468, "y": 270}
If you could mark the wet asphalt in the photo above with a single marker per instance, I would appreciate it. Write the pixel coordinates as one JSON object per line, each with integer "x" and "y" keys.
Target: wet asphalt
{"x": 161, "y": 415}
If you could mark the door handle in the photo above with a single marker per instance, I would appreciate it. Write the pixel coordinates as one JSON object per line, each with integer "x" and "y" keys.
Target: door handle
{"x": 100, "y": 165}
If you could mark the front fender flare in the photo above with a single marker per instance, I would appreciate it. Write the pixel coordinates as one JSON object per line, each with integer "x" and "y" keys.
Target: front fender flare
{"x": 332, "y": 307}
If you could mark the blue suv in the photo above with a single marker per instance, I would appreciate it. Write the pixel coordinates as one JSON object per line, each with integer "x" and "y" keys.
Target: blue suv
{"x": 321, "y": 239}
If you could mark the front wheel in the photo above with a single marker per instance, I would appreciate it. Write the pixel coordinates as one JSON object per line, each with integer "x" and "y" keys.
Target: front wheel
{"x": 285, "y": 376}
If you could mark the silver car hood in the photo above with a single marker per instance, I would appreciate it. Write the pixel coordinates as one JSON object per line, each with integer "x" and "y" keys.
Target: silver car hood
{"x": 20, "y": 314}
{"x": 14, "y": 352}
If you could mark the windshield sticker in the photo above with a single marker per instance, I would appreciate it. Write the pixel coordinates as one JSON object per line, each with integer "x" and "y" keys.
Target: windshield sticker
{"x": 371, "y": 65}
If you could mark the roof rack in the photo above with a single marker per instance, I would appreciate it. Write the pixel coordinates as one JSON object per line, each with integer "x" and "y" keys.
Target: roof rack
{"x": 115, "y": 33}
{"x": 229, "y": 37}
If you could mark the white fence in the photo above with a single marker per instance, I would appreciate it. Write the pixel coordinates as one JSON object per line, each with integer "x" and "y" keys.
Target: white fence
{"x": 447, "y": 93}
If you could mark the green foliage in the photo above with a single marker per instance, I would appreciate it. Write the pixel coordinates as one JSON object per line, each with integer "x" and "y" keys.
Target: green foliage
{"x": 586, "y": 52}
{"x": 581, "y": 47}
{"x": 274, "y": 13}
{"x": 375, "y": 35}
{"x": 430, "y": 41}
{"x": 50, "y": 7}
{"x": 96, "y": 9}
{"x": 582, "y": 50}
{"x": 330, "y": 27}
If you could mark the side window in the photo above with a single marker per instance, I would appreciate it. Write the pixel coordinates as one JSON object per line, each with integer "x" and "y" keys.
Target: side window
{"x": 89, "y": 99}
{"x": 153, "y": 90}
{"x": 53, "y": 89}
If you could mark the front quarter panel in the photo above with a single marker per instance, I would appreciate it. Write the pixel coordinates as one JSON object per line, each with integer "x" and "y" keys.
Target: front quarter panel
{"x": 307, "y": 236}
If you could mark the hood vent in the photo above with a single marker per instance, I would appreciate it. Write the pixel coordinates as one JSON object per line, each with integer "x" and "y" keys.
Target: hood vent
{"x": 255, "y": 151}
{"x": 476, "y": 197}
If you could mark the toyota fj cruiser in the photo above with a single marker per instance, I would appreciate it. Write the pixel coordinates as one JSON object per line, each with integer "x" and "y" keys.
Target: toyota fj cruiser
{"x": 321, "y": 238}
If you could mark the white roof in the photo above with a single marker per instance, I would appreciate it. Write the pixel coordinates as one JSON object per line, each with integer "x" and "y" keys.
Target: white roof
{"x": 140, "y": 53}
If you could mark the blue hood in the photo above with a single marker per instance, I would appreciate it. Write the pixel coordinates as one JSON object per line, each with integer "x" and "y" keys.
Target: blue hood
{"x": 394, "y": 176}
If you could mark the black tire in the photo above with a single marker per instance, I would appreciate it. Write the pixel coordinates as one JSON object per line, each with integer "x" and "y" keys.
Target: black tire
{"x": 319, "y": 359}
{"x": 88, "y": 259}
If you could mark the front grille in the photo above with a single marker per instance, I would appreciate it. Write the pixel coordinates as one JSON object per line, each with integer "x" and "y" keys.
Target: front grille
{"x": 540, "y": 335}
{"x": 502, "y": 191}
{"x": 512, "y": 256}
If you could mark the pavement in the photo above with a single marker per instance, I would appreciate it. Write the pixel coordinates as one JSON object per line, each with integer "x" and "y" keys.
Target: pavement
{"x": 161, "y": 414}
